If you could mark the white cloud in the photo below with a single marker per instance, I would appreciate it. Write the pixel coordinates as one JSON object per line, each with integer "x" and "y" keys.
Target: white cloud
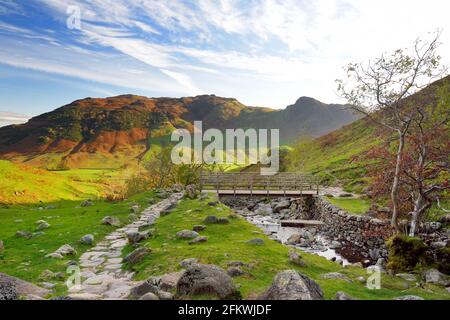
{"x": 295, "y": 47}
{"x": 7, "y": 118}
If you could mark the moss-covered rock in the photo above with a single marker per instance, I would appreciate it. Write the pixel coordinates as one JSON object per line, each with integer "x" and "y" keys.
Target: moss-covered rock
{"x": 405, "y": 253}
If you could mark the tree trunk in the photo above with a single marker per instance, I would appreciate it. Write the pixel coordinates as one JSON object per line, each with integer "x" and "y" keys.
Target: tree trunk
{"x": 396, "y": 183}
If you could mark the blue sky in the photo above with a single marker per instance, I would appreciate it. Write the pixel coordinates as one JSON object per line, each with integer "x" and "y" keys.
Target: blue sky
{"x": 262, "y": 52}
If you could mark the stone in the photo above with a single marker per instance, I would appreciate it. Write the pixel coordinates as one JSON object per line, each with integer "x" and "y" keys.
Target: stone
{"x": 409, "y": 298}
{"x": 264, "y": 210}
{"x": 2, "y": 246}
{"x": 43, "y": 225}
{"x": 66, "y": 250}
{"x": 8, "y": 291}
{"x": 361, "y": 280}
{"x": 235, "y": 272}
{"x": 136, "y": 256}
{"x": 210, "y": 220}
{"x": 292, "y": 285}
{"x": 24, "y": 234}
{"x": 295, "y": 258}
{"x": 167, "y": 282}
{"x": 202, "y": 279}
{"x": 433, "y": 276}
{"x": 84, "y": 296}
{"x": 294, "y": 239}
{"x": 186, "y": 263}
{"x": 111, "y": 221}
{"x": 19, "y": 287}
{"x": 47, "y": 275}
{"x": 222, "y": 220}
{"x": 213, "y": 203}
{"x": 281, "y": 206}
{"x": 438, "y": 245}
{"x": 199, "y": 228}
{"x": 86, "y": 203}
{"x": 149, "y": 296}
{"x": 47, "y": 285}
{"x": 335, "y": 245}
{"x": 144, "y": 288}
{"x": 342, "y": 296}
{"x": 163, "y": 295}
{"x": 135, "y": 209}
{"x": 132, "y": 217}
{"x": 55, "y": 255}
{"x": 136, "y": 236}
{"x": 407, "y": 276}
{"x": 445, "y": 219}
{"x": 87, "y": 240}
{"x": 199, "y": 239}
{"x": 187, "y": 234}
{"x": 256, "y": 242}
{"x": 336, "y": 276}
{"x": 237, "y": 264}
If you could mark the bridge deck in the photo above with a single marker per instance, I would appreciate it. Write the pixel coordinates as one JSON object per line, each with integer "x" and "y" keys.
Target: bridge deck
{"x": 239, "y": 192}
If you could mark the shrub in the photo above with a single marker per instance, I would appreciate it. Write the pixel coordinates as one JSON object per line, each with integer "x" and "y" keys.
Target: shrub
{"x": 405, "y": 253}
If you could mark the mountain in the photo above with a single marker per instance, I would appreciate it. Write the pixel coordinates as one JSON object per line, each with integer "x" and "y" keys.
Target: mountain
{"x": 107, "y": 132}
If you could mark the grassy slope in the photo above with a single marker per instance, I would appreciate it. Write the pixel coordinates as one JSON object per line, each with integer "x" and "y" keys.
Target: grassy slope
{"x": 23, "y": 184}
{"x": 25, "y": 258}
{"x": 355, "y": 206}
{"x": 228, "y": 243}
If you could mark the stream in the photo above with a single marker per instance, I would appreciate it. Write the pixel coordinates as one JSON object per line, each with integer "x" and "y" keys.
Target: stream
{"x": 272, "y": 227}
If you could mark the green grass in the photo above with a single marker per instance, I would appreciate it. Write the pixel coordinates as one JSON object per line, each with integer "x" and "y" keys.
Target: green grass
{"x": 355, "y": 206}
{"x": 25, "y": 258}
{"x": 228, "y": 243}
{"x": 24, "y": 184}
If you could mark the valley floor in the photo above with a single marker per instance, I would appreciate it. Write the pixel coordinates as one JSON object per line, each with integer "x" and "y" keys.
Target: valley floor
{"x": 25, "y": 257}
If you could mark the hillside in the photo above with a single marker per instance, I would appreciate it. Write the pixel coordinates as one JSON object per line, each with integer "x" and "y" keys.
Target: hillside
{"x": 112, "y": 131}
{"x": 339, "y": 157}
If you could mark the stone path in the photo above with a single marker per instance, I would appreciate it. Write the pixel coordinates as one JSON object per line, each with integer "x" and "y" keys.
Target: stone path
{"x": 101, "y": 266}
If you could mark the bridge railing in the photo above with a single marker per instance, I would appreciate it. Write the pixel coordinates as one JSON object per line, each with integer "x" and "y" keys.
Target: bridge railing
{"x": 283, "y": 181}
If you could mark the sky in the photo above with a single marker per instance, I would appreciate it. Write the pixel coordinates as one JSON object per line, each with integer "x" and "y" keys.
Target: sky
{"x": 264, "y": 53}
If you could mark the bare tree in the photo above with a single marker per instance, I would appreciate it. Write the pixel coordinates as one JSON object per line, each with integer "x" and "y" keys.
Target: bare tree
{"x": 379, "y": 89}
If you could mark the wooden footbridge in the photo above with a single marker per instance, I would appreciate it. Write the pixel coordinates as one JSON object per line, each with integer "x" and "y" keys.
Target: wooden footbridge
{"x": 254, "y": 184}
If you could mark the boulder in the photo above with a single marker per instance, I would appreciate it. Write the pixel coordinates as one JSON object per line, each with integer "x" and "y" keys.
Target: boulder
{"x": 335, "y": 245}
{"x": 66, "y": 250}
{"x": 199, "y": 239}
{"x": 2, "y": 246}
{"x": 336, "y": 276}
{"x": 294, "y": 239}
{"x": 55, "y": 255}
{"x": 87, "y": 240}
{"x": 14, "y": 287}
{"x": 192, "y": 192}
{"x": 163, "y": 295}
{"x": 111, "y": 221}
{"x": 292, "y": 285}
{"x": 187, "y": 234}
{"x": 143, "y": 288}
{"x": 438, "y": 245}
{"x": 433, "y": 276}
{"x": 167, "y": 282}
{"x": 342, "y": 296}
{"x": 235, "y": 272}
{"x": 206, "y": 279}
{"x": 445, "y": 219}
{"x": 136, "y": 236}
{"x": 264, "y": 210}
{"x": 210, "y": 220}
{"x": 136, "y": 256}
{"x": 409, "y": 298}
{"x": 256, "y": 242}
{"x": 222, "y": 221}
{"x": 149, "y": 296}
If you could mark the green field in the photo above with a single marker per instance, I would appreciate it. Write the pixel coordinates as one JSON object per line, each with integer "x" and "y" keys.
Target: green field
{"x": 25, "y": 258}
{"x": 355, "y": 206}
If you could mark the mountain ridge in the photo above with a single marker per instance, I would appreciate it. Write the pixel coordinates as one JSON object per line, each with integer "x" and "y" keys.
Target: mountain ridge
{"x": 105, "y": 127}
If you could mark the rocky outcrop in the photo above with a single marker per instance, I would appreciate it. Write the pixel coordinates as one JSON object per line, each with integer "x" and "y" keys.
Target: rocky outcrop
{"x": 292, "y": 285}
